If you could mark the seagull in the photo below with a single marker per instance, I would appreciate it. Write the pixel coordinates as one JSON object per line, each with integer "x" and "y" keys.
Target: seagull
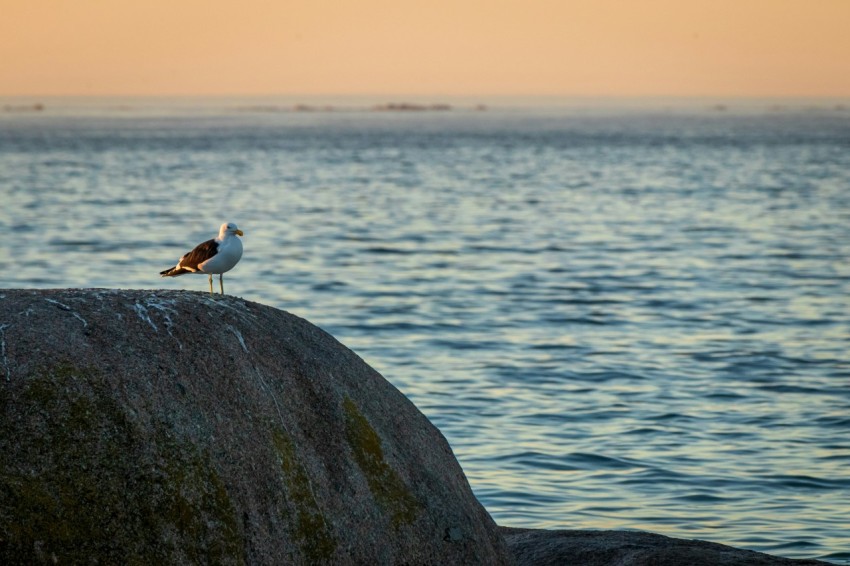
{"x": 213, "y": 256}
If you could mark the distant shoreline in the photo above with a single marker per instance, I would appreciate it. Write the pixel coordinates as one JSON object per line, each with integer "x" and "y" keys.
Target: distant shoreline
{"x": 112, "y": 105}
{"x": 387, "y": 107}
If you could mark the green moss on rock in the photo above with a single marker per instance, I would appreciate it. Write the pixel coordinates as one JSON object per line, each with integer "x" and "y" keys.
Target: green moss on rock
{"x": 80, "y": 483}
{"x": 384, "y": 482}
{"x": 311, "y": 529}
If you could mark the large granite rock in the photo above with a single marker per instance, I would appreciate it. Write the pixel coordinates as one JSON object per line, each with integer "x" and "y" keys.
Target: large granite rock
{"x": 141, "y": 427}
{"x": 626, "y": 548}
{"x": 173, "y": 428}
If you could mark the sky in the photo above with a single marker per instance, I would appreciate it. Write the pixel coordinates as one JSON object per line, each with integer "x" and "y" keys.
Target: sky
{"x": 734, "y": 48}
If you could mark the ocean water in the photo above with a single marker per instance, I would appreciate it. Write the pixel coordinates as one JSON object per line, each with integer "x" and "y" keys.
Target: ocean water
{"x": 629, "y": 317}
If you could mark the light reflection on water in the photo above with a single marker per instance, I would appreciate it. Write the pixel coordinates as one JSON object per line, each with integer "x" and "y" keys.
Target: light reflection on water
{"x": 618, "y": 321}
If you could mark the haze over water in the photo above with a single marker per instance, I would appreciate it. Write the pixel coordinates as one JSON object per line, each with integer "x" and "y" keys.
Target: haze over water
{"x": 628, "y": 316}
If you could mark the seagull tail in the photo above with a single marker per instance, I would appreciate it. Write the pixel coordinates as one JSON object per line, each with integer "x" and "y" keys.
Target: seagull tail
{"x": 174, "y": 271}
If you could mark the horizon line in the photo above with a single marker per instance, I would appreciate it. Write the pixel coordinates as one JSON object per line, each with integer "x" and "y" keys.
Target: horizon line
{"x": 402, "y": 95}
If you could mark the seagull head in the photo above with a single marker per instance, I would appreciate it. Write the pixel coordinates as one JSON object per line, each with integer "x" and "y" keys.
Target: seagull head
{"x": 229, "y": 229}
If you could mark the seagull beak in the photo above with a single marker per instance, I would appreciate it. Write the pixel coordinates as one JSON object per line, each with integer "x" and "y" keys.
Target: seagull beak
{"x": 239, "y": 233}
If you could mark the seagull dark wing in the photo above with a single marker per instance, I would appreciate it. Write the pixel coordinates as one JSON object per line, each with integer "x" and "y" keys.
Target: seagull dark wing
{"x": 199, "y": 255}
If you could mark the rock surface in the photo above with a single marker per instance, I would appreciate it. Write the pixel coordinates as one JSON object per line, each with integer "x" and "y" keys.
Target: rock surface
{"x": 155, "y": 427}
{"x": 532, "y": 547}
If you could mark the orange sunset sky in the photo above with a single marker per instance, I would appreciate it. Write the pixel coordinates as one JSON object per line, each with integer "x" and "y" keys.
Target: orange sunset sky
{"x": 437, "y": 47}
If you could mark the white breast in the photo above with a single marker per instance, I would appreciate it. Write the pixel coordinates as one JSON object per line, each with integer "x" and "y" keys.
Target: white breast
{"x": 229, "y": 254}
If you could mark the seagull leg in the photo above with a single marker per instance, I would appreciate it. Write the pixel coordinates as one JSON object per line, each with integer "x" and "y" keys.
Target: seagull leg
{"x": 221, "y": 282}
{"x": 211, "y": 284}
